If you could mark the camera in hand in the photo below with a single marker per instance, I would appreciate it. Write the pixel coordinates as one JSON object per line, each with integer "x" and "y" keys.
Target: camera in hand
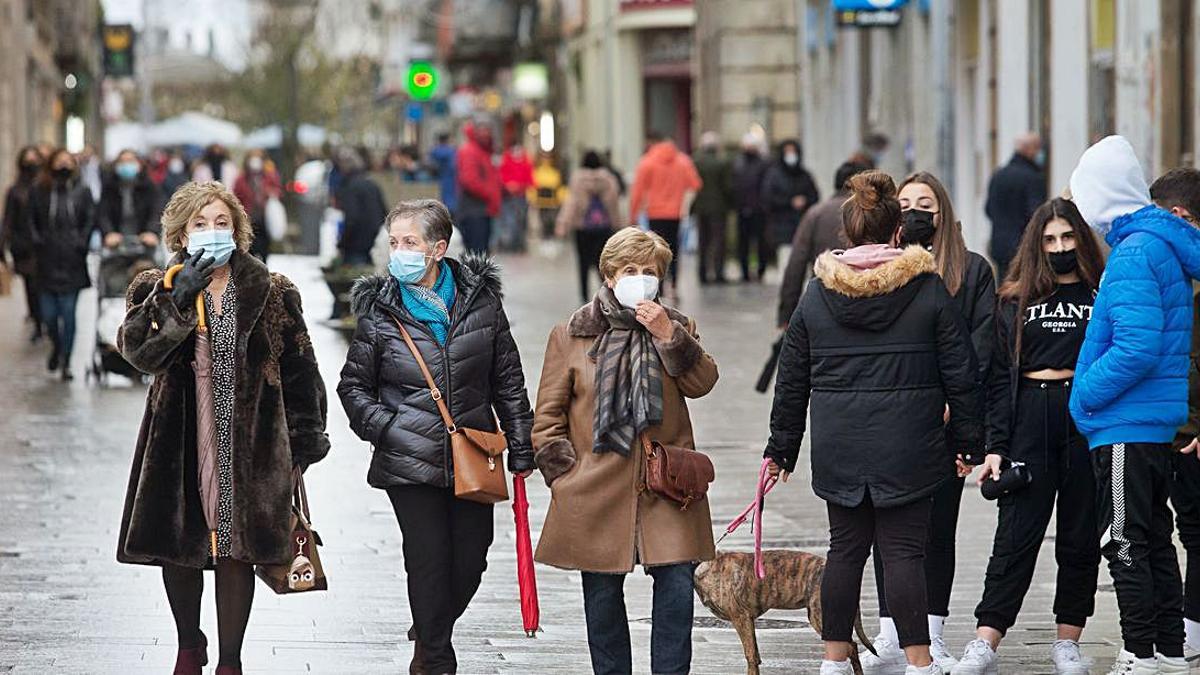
{"x": 1014, "y": 477}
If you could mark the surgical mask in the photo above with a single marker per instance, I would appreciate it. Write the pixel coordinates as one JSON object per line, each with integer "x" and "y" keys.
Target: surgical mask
{"x": 217, "y": 244}
{"x": 1040, "y": 157}
{"x": 255, "y": 164}
{"x": 408, "y": 267}
{"x": 127, "y": 170}
{"x": 635, "y": 289}
{"x": 175, "y": 165}
{"x": 918, "y": 228}
{"x": 1063, "y": 262}
{"x": 791, "y": 159}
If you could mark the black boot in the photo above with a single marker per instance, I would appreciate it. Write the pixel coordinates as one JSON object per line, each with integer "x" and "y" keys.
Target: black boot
{"x": 55, "y": 360}
{"x": 66, "y": 368}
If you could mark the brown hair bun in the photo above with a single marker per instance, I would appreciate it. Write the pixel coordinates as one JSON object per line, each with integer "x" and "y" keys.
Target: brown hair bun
{"x": 872, "y": 213}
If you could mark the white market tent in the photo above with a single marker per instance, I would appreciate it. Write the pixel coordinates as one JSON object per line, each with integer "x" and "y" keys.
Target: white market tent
{"x": 310, "y": 136}
{"x": 193, "y": 128}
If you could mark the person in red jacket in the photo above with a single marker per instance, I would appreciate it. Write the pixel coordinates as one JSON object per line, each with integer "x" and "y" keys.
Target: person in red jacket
{"x": 478, "y": 188}
{"x": 663, "y": 179}
{"x": 255, "y": 186}
{"x": 516, "y": 175}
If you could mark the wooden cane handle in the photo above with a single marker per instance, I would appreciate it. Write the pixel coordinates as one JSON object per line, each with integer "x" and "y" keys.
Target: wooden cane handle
{"x": 169, "y": 279}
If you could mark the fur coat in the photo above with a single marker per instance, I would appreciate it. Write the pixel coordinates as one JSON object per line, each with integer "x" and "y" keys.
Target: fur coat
{"x": 278, "y": 421}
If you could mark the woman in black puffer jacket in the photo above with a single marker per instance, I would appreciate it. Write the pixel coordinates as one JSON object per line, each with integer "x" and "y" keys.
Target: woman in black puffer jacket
{"x": 880, "y": 348}
{"x": 454, "y": 314}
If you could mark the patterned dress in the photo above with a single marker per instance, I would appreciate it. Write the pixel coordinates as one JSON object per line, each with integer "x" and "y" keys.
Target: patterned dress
{"x": 222, "y": 334}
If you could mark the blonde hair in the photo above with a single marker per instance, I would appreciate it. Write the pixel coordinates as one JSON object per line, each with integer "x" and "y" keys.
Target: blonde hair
{"x": 632, "y": 246}
{"x": 189, "y": 199}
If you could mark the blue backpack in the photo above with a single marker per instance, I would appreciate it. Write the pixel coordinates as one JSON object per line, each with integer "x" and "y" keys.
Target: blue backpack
{"x": 596, "y": 216}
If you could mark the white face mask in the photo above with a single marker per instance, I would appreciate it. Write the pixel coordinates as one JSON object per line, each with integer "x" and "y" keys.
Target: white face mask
{"x": 634, "y": 289}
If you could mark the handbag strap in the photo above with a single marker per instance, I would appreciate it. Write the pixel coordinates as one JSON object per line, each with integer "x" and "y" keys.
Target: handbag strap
{"x": 433, "y": 388}
{"x": 299, "y": 494}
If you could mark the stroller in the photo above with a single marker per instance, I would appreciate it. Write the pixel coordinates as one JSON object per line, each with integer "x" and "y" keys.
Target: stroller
{"x": 118, "y": 267}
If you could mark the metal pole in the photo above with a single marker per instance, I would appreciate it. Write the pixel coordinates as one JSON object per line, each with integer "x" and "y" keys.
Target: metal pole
{"x": 942, "y": 21}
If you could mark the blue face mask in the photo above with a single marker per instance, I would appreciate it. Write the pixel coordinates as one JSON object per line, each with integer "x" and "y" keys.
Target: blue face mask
{"x": 217, "y": 244}
{"x": 127, "y": 170}
{"x": 407, "y": 266}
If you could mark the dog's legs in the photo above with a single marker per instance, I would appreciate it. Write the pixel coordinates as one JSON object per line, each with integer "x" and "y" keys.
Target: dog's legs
{"x": 745, "y": 630}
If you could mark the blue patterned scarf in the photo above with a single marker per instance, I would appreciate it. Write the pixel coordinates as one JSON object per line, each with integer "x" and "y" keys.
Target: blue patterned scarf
{"x": 431, "y": 306}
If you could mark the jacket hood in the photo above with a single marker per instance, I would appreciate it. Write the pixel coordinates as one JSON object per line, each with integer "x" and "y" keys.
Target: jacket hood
{"x": 472, "y": 271}
{"x": 592, "y": 180}
{"x": 872, "y": 299}
{"x": 478, "y": 136}
{"x": 799, "y": 150}
{"x": 663, "y": 152}
{"x": 1108, "y": 183}
{"x": 1182, "y": 237}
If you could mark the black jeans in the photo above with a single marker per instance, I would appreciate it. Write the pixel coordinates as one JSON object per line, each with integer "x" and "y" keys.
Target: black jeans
{"x": 939, "y": 551}
{"x": 669, "y": 230}
{"x": 899, "y": 534}
{"x": 752, "y": 233}
{"x": 671, "y": 617}
{"x": 1185, "y": 498}
{"x": 476, "y": 233}
{"x": 446, "y": 540}
{"x": 711, "y": 228}
{"x": 588, "y": 245}
{"x": 1132, "y": 485}
{"x": 1044, "y": 437}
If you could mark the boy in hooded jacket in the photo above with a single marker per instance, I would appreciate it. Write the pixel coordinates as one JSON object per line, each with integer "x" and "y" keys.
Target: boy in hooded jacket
{"x": 1130, "y": 395}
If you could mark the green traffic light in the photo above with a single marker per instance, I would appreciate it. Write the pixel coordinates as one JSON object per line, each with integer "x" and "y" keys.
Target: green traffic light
{"x": 422, "y": 81}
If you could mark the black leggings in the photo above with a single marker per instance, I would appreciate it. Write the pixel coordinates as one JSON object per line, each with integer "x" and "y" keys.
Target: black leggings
{"x": 939, "y": 551}
{"x": 898, "y": 533}
{"x": 669, "y": 230}
{"x": 1185, "y": 499}
{"x": 1044, "y": 437}
{"x": 588, "y": 246}
{"x": 235, "y": 593}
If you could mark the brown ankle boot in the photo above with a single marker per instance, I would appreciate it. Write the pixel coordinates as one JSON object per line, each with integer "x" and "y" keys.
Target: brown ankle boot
{"x": 229, "y": 670}
{"x": 191, "y": 661}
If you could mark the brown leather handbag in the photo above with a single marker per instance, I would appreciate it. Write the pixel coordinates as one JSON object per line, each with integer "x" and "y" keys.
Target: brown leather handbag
{"x": 304, "y": 572}
{"x": 677, "y": 474}
{"x": 478, "y": 455}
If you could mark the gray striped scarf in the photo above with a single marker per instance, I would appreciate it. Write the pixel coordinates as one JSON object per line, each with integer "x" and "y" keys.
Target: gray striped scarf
{"x": 629, "y": 388}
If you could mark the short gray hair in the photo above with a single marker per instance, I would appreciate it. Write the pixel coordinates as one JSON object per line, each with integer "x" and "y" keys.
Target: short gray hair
{"x": 434, "y": 217}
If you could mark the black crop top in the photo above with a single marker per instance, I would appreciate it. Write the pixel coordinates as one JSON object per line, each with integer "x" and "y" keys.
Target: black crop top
{"x": 1054, "y": 328}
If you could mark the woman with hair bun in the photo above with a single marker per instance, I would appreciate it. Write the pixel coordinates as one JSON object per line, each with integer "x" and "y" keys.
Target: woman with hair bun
{"x": 879, "y": 349}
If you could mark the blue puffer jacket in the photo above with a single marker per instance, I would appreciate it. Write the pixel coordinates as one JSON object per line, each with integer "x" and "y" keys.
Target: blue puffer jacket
{"x": 1131, "y": 379}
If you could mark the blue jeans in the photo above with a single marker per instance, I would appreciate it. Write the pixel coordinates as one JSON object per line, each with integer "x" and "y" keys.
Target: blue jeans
{"x": 58, "y": 313}
{"x": 670, "y": 634}
{"x": 476, "y": 233}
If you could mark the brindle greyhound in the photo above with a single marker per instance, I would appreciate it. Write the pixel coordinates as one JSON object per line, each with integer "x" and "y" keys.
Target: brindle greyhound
{"x": 728, "y": 587}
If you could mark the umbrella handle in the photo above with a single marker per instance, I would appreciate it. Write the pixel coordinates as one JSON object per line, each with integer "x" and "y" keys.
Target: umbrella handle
{"x": 169, "y": 279}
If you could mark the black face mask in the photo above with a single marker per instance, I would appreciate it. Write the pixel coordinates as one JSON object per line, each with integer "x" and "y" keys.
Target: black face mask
{"x": 1063, "y": 262}
{"x": 918, "y": 228}
{"x": 29, "y": 169}
{"x": 61, "y": 175}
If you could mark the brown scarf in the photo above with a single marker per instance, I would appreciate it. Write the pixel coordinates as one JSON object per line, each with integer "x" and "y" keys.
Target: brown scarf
{"x": 629, "y": 388}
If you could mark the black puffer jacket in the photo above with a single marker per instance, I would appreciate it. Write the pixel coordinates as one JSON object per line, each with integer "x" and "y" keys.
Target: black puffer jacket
{"x": 880, "y": 352}
{"x": 388, "y": 401}
{"x": 147, "y": 206}
{"x": 60, "y": 221}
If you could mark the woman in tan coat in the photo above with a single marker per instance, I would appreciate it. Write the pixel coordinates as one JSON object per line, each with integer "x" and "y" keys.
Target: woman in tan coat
{"x": 621, "y": 367}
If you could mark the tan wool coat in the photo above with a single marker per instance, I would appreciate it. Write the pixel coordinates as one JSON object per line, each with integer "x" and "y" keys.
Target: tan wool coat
{"x": 600, "y": 520}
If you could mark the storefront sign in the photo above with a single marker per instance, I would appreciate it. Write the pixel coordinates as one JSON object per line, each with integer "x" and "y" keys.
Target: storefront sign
{"x": 868, "y": 13}
{"x": 652, "y": 4}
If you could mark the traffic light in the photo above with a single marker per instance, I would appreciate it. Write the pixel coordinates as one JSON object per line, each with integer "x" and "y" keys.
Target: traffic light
{"x": 118, "y": 50}
{"x": 422, "y": 81}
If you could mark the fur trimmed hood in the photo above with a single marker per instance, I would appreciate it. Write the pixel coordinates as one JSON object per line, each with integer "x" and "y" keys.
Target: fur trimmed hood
{"x": 890, "y": 276}
{"x": 471, "y": 273}
{"x": 872, "y": 299}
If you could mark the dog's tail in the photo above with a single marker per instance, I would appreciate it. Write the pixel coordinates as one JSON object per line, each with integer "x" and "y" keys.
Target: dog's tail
{"x": 862, "y": 635}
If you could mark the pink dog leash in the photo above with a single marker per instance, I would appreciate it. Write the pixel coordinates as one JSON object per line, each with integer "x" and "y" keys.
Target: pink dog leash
{"x": 765, "y": 483}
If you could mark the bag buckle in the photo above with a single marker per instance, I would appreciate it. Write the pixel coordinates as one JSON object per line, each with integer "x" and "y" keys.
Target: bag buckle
{"x": 452, "y": 429}
{"x": 436, "y": 393}
{"x": 491, "y": 463}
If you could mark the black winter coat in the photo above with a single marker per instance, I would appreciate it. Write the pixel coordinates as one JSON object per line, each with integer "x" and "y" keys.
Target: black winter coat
{"x": 14, "y": 230}
{"x": 60, "y": 244}
{"x": 147, "y": 207}
{"x": 880, "y": 353}
{"x": 1014, "y": 193}
{"x": 748, "y": 173}
{"x": 780, "y": 185}
{"x": 478, "y": 370}
{"x": 363, "y": 207}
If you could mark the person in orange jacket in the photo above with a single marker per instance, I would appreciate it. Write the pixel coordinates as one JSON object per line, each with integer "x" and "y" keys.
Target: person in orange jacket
{"x": 663, "y": 180}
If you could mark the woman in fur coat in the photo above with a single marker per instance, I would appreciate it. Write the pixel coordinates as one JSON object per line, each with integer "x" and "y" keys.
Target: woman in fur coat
{"x": 269, "y": 405}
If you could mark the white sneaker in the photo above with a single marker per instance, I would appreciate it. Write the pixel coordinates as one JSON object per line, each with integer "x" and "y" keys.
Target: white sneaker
{"x": 1192, "y": 655}
{"x": 931, "y": 669}
{"x": 1128, "y": 664}
{"x": 978, "y": 659}
{"x": 941, "y": 655}
{"x": 1171, "y": 665}
{"x": 1068, "y": 660}
{"x": 890, "y": 661}
{"x": 836, "y": 667}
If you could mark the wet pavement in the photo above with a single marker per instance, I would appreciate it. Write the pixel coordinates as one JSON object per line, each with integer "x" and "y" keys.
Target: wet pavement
{"x": 66, "y": 606}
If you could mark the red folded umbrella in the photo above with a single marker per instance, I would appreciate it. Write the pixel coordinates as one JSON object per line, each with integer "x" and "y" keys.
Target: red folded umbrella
{"x": 526, "y": 577}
